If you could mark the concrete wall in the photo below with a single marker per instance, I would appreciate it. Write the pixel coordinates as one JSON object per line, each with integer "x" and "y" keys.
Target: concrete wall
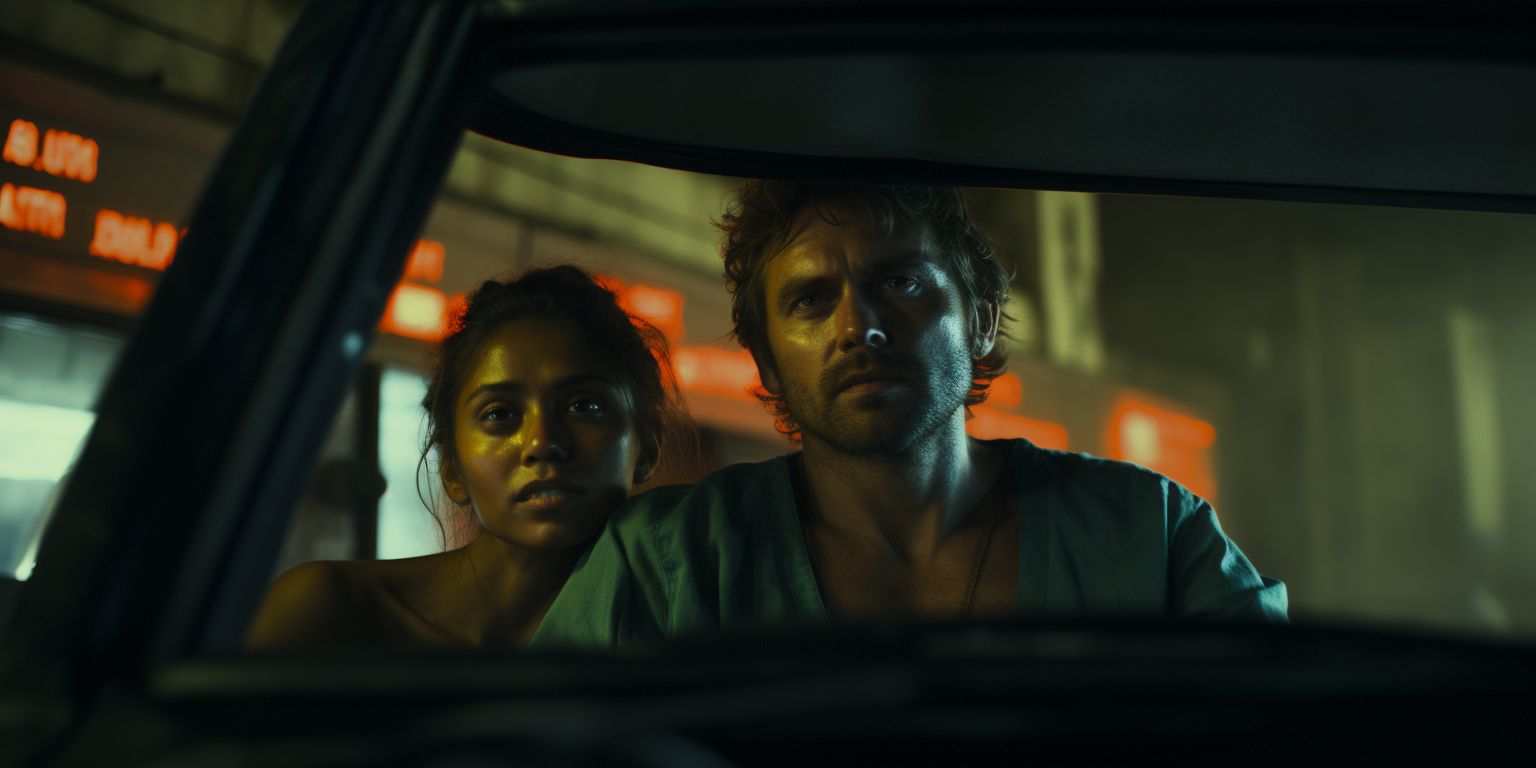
{"x": 1368, "y": 367}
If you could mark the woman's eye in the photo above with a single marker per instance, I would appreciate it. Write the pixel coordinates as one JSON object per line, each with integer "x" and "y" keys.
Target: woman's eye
{"x": 497, "y": 414}
{"x": 807, "y": 302}
{"x": 900, "y": 284}
{"x": 584, "y": 405}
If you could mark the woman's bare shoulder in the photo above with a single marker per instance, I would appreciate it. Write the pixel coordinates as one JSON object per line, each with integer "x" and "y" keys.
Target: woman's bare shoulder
{"x": 340, "y": 602}
{"x": 324, "y": 602}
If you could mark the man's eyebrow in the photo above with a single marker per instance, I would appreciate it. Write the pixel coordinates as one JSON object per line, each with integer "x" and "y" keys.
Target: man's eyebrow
{"x": 902, "y": 258}
{"x": 794, "y": 287}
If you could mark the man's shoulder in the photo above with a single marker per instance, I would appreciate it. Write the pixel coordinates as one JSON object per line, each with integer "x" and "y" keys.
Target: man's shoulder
{"x": 1119, "y": 483}
{"x": 1073, "y": 465}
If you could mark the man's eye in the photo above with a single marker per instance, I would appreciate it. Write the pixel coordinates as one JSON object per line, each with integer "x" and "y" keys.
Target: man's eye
{"x": 807, "y": 302}
{"x": 584, "y": 405}
{"x": 900, "y": 284}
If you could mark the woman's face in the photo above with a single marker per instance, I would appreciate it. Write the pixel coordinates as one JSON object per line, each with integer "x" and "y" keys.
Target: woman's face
{"x": 545, "y": 435}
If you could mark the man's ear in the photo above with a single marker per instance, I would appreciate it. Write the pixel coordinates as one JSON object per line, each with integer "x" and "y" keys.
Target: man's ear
{"x": 989, "y": 321}
{"x": 453, "y": 482}
{"x": 766, "y": 374}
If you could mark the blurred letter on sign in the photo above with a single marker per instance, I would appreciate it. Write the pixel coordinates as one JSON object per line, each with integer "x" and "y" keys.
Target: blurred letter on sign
{"x": 32, "y": 210}
{"x": 21, "y": 143}
{"x": 132, "y": 240}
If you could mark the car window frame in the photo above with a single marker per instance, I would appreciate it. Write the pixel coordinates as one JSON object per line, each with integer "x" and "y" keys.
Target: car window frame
{"x": 162, "y": 545}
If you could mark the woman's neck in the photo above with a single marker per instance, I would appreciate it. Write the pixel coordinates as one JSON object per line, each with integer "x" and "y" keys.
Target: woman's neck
{"x": 505, "y": 589}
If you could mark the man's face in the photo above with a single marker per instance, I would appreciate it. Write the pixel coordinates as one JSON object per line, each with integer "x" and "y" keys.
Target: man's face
{"x": 868, "y": 335}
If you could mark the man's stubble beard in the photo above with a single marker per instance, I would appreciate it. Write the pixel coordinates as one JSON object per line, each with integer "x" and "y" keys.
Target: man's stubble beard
{"x": 932, "y": 397}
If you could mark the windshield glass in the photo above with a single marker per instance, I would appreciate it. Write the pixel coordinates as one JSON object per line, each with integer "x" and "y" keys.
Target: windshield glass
{"x": 1326, "y": 399}
{"x": 1340, "y": 383}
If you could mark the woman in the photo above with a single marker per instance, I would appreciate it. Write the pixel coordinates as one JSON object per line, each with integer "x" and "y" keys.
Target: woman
{"x": 547, "y": 405}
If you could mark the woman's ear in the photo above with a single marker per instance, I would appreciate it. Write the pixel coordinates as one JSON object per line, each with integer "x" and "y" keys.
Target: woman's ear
{"x": 650, "y": 458}
{"x": 453, "y": 482}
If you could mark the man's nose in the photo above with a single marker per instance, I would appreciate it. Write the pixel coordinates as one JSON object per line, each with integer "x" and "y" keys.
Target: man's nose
{"x": 544, "y": 439}
{"x": 859, "y": 322}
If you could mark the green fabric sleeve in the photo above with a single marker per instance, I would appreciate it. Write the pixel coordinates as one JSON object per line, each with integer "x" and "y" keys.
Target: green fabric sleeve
{"x": 613, "y": 597}
{"x": 1209, "y": 577}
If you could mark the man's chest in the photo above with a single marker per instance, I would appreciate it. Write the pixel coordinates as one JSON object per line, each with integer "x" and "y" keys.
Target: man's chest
{"x": 974, "y": 573}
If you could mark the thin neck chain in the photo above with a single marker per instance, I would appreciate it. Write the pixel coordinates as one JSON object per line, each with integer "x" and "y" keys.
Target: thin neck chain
{"x": 993, "y": 504}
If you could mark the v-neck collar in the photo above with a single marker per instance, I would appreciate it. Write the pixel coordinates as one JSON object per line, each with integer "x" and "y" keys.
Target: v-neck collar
{"x": 1031, "y": 506}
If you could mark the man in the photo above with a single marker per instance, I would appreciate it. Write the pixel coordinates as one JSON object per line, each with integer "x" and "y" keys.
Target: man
{"x": 873, "y": 314}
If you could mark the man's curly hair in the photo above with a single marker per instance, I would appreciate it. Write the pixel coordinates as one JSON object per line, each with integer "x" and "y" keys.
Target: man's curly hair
{"x": 759, "y": 221}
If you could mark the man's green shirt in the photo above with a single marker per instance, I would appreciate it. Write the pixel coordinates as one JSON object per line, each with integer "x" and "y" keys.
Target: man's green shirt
{"x": 1096, "y": 538}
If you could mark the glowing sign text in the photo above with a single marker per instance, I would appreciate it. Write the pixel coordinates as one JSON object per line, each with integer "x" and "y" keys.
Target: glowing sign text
{"x": 426, "y": 262}
{"x": 21, "y": 143}
{"x": 61, "y": 153}
{"x": 32, "y": 210}
{"x": 132, "y": 240}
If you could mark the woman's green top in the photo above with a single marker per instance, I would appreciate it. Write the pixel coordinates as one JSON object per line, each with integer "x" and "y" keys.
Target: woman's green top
{"x": 1096, "y": 538}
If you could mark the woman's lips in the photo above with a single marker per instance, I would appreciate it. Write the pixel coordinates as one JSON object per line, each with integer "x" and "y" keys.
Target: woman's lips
{"x": 548, "y": 500}
{"x": 542, "y": 496}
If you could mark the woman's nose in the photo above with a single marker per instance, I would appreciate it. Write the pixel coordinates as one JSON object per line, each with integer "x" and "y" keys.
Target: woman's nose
{"x": 544, "y": 440}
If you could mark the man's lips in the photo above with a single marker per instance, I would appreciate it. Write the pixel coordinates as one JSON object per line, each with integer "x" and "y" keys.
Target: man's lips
{"x": 873, "y": 380}
{"x": 544, "y": 494}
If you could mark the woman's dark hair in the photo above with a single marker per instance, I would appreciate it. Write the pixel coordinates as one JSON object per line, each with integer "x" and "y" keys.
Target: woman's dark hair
{"x": 570, "y": 295}
{"x": 760, "y": 219}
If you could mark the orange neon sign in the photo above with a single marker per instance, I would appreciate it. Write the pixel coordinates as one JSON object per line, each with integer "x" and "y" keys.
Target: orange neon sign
{"x": 21, "y": 143}
{"x": 426, "y": 262}
{"x": 132, "y": 240}
{"x": 991, "y": 424}
{"x": 32, "y": 210}
{"x": 717, "y": 372}
{"x": 416, "y": 311}
{"x": 660, "y": 307}
{"x": 61, "y": 153}
{"x": 1173, "y": 444}
{"x": 1006, "y": 391}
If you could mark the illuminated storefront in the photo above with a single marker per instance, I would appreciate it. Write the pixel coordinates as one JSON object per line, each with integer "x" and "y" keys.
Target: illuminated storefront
{"x": 93, "y": 194}
{"x": 94, "y": 197}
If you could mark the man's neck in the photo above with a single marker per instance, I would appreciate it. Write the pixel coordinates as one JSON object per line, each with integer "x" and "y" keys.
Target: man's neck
{"x": 911, "y": 501}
